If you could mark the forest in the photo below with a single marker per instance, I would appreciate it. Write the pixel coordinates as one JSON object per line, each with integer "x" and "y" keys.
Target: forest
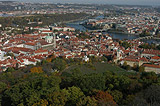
{"x": 53, "y": 83}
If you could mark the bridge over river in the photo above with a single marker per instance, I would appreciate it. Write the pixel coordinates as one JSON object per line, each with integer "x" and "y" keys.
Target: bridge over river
{"x": 138, "y": 38}
{"x": 99, "y": 30}
{"x": 148, "y": 37}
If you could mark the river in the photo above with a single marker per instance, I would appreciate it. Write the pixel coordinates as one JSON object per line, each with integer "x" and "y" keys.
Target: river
{"x": 120, "y": 36}
{"x": 77, "y": 26}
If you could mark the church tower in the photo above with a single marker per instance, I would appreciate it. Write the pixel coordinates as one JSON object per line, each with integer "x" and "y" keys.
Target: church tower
{"x": 54, "y": 40}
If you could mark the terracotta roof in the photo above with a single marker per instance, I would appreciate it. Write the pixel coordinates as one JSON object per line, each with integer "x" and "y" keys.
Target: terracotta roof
{"x": 32, "y": 60}
{"x": 133, "y": 60}
{"x": 16, "y": 49}
{"x": 151, "y": 65}
{"x": 47, "y": 31}
{"x": 156, "y": 58}
{"x": 143, "y": 59}
{"x": 151, "y": 51}
{"x": 30, "y": 43}
{"x": 41, "y": 51}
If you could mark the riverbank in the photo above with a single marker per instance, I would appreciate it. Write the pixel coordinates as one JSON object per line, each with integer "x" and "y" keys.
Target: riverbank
{"x": 115, "y": 35}
{"x": 78, "y": 20}
{"x": 107, "y": 30}
{"x": 121, "y": 32}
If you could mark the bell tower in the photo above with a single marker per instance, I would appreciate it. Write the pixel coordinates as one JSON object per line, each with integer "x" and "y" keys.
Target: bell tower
{"x": 54, "y": 40}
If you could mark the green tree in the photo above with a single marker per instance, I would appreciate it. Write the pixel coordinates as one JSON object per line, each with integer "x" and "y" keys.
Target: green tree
{"x": 90, "y": 82}
{"x": 87, "y": 101}
{"x": 117, "y": 96}
{"x": 128, "y": 67}
{"x": 125, "y": 64}
{"x": 76, "y": 71}
{"x": 125, "y": 44}
{"x": 148, "y": 78}
{"x": 129, "y": 99}
{"x": 44, "y": 62}
{"x": 151, "y": 94}
{"x": 31, "y": 90}
{"x": 75, "y": 94}
{"x": 3, "y": 86}
{"x": 120, "y": 83}
{"x": 42, "y": 102}
{"x": 59, "y": 64}
{"x": 141, "y": 69}
{"x": 136, "y": 67}
{"x": 10, "y": 69}
{"x": 57, "y": 98}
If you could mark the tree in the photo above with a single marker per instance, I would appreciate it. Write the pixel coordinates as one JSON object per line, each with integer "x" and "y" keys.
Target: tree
{"x": 138, "y": 101}
{"x": 120, "y": 83}
{"x": 114, "y": 25}
{"x": 76, "y": 71}
{"x": 75, "y": 94}
{"x": 87, "y": 101}
{"x": 135, "y": 87}
{"x": 145, "y": 33}
{"x": 117, "y": 96}
{"x": 44, "y": 62}
{"x": 31, "y": 90}
{"x": 104, "y": 99}
{"x": 136, "y": 67}
{"x": 128, "y": 67}
{"x": 10, "y": 69}
{"x": 42, "y": 102}
{"x": 151, "y": 94}
{"x": 125, "y": 44}
{"x": 90, "y": 82}
{"x": 59, "y": 64}
{"x": 103, "y": 58}
{"x": 3, "y": 86}
{"x": 128, "y": 99}
{"x": 125, "y": 64}
{"x": 57, "y": 98}
{"x": 148, "y": 78}
{"x": 36, "y": 70}
{"x": 141, "y": 69}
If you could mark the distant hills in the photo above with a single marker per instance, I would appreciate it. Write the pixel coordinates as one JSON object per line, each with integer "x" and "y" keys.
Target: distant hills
{"x": 8, "y": 1}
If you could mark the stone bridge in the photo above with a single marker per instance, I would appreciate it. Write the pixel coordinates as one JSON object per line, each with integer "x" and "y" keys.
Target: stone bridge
{"x": 148, "y": 37}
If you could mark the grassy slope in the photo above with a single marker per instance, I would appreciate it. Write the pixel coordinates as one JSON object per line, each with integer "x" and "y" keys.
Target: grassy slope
{"x": 99, "y": 68}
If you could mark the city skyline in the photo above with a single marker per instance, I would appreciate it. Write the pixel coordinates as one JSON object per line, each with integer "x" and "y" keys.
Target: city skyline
{"x": 121, "y": 2}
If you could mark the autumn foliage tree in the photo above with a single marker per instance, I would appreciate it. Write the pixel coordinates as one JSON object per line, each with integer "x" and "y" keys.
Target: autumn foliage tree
{"x": 104, "y": 99}
{"x": 36, "y": 70}
{"x": 50, "y": 58}
{"x": 41, "y": 103}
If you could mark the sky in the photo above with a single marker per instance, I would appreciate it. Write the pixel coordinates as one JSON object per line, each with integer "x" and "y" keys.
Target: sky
{"x": 129, "y": 2}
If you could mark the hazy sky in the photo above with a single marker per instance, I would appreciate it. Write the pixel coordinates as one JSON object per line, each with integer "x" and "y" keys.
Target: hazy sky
{"x": 131, "y": 2}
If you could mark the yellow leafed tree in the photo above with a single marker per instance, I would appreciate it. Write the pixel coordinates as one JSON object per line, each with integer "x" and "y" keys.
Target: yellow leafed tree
{"x": 36, "y": 70}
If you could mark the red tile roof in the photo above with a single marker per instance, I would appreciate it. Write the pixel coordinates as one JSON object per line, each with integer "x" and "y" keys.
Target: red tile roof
{"x": 41, "y": 51}
{"x": 156, "y": 58}
{"x": 151, "y": 65}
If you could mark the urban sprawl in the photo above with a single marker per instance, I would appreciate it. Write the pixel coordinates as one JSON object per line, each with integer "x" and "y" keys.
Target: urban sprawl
{"x": 23, "y": 49}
